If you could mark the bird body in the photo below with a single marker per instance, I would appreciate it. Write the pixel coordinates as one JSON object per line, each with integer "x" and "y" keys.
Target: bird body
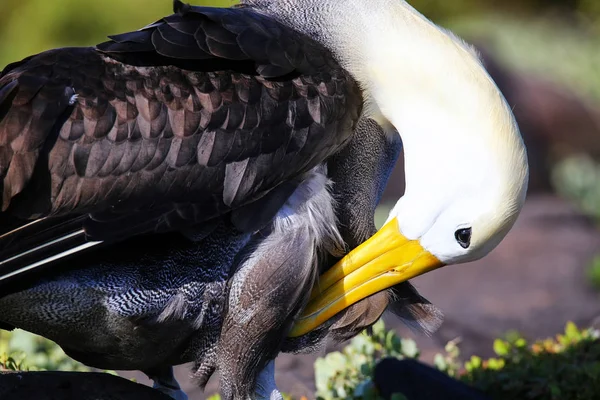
{"x": 143, "y": 302}
{"x": 173, "y": 194}
{"x": 151, "y": 183}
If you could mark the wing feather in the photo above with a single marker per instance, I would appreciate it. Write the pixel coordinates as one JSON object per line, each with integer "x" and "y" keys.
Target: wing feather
{"x": 195, "y": 116}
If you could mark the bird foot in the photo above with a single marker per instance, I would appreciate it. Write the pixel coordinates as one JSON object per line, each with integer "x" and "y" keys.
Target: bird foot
{"x": 165, "y": 382}
{"x": 265, "y": 384}
{"x": 175, "y": 394}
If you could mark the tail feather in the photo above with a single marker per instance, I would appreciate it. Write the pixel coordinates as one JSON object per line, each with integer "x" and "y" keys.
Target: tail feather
{"x": 36, "y": 98}
{"x": 36, "y": 244}
{"x": 414, "y": 310}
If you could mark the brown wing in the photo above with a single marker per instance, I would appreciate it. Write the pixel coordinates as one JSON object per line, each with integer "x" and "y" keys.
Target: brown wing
{"x": 201, "y": 114}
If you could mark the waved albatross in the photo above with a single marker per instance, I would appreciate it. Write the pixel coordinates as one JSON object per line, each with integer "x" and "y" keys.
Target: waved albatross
{"x": 174, "y": 194}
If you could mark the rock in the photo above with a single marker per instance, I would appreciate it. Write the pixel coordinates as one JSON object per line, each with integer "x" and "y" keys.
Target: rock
{"x": 72, "y": 385}
{"x": 417, "y": 381}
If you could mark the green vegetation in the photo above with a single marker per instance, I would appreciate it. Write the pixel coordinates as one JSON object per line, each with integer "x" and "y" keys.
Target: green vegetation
{"x": 347, "y": 374}
{"x": 593, "y": 273}
{"x": 23, "y": 351}
{"x": 583, "y": 11}
{"x": 549, "y": 48}
{"x": 30, "y": 26}
{"x": 577, "y": 178}
{"x": 566, "y": 367}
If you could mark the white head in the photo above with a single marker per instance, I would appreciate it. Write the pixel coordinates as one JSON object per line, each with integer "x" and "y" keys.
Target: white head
{"x": 465, "y": 162}
{"x": 466, "y": 165}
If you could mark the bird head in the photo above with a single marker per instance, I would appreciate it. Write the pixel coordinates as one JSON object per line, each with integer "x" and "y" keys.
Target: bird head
{"x": 465, "y": 162}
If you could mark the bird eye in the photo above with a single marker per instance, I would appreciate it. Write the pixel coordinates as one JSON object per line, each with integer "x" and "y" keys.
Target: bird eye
{"x": 463, "y": 237}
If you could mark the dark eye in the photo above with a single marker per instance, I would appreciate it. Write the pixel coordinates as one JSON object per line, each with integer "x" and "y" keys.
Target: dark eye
{"x": 463, "y": 237}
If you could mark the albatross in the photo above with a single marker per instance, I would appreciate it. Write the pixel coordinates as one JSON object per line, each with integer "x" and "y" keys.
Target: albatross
{"x": 188, "y": 192}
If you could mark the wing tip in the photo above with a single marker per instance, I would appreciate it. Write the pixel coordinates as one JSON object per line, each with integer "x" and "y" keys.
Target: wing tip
{"x": 7, "y": 94}
{"x": 419, "y": 314}
{"x": 7, "y": 90}
{"x": 179, "y": 7}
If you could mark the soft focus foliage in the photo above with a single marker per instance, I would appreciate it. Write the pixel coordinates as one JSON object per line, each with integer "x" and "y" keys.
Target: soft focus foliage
{"x": 31, "y": 26}
{"x": 565, "y": 367}
{"x": 548, "y": 48}
{"x": 347, "y": 374}
{"x": 23, "y": 351}
{"x": 587, "y": 11}
{"x": 593, "y": 273}
{"x": 577, "y": 178}
{"x": 554, "y": 39}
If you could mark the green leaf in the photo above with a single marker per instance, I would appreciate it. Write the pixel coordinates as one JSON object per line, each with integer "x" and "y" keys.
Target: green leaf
{"x": 392, "y": 342}
{"x": 501, "y": 348}
{"x": 365, "y": 369}
{"x": 571, "y": 331}
{"x": 440, "y": 362}
{"x": 409, "y": 348}
{"x": 495, "y": 364}
{"x": 475, "y": 362}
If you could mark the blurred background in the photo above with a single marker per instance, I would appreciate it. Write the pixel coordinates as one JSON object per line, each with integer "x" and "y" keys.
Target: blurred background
{"x": 544, "y": 56}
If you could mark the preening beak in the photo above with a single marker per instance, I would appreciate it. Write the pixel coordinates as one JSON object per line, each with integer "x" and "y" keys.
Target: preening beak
{"x": 381, "y": 262}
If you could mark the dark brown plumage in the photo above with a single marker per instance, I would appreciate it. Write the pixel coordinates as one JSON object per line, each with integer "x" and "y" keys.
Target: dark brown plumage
{"x": 164, "y": 148}
{"x": 147, "y": 189}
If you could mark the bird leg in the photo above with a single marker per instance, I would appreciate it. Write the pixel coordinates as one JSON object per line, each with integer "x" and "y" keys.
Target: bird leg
{"x": 266, "y": 389}
{"x": 165, "y": 381}
{"x": 270, "y": 287}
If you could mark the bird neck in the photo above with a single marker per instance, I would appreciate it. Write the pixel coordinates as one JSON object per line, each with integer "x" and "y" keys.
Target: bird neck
{"x": 421, "y": 81}
{"x": 377, "y": 41}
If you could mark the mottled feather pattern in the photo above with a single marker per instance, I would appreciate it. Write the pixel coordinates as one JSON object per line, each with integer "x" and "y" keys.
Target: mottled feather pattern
{"x": 139, "y": 292}
{"x": 127, "y": 138}
{"x": 142, "y": 133}
{"x": 281, "y": 263}
{"x": 159, "y": 148}
{"x": 216, "y": 36}
{"x": 212, "y": 125}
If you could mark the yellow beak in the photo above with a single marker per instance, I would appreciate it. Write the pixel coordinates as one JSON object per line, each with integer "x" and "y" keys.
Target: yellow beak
{"x": 381, "y": 262}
